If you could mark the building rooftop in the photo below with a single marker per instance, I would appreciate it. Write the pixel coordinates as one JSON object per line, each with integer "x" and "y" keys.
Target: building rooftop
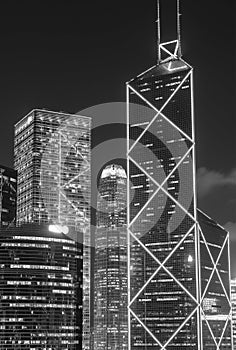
{"x": 164, "y": 68}
{"x": 113, "y": 170}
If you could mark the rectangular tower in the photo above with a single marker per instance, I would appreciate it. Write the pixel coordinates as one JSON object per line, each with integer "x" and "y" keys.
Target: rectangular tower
{"x": 165, "y": 300}
{"x": 7, "y": 196}
{"x": 110, "y": 267}
{"x": 52, "y": 157}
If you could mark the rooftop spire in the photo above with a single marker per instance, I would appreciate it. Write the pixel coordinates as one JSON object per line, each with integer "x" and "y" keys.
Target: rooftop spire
{"x": 158, "y": 33}
{"x": 178, "y": 53}
{"x": 179, "y": 29}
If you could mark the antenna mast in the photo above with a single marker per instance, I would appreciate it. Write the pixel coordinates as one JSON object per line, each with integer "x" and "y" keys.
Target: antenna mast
{"x": 178, "y": 51}
{"x": 158, "y": 33}
{"x": 179, "y": 29}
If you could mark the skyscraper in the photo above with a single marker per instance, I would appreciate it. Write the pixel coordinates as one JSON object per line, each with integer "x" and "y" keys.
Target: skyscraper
{"x": 110, "y": 267}
{"x": 52, "y": 157}
{"x": 233, "y": 293}
{"x": 7, "y": 196}
{"x": 166, "y": 307}
{"x": 40, "y": 288}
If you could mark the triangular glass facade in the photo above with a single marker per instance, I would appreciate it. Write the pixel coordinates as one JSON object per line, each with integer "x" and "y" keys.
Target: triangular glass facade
{"x": 178, "y": 271}
{"x": 215, "y": 277}
{"x": 162, "y": 233}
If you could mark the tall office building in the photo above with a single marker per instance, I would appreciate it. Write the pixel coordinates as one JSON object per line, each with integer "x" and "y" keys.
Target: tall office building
{"x": 110, "y": 266}
{"x": 7, "y": 196}
{"x": 52, "y": 157}
{"x": 166, "y": 307}
{"x": 233, "y": 294}
{"x": 40, "y": 288}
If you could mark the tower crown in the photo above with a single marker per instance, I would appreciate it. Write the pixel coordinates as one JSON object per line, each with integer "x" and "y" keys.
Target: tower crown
{"x": 113, "y": 170}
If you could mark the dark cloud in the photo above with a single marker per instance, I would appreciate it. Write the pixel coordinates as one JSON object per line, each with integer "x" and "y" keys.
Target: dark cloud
{"x": 207, "y": 180}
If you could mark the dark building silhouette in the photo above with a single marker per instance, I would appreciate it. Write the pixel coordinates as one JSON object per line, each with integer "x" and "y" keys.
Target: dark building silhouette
{"x": 40, "y": 288}
{"x": 8, "y": 188}
{"x": 110, "y": 265}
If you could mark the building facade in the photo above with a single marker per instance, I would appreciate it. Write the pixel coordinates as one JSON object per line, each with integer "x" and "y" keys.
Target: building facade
{"x": 110, "y": 265}
{"x": 163, "y": 284}
{"x": 52, "y": 158}
{"x": 8, "y": 188}
{"x": 216, "y": 313}
{"x": 40, "y": 288}
{"x": 167, "y": 303}
{"x": 233, "y": 294}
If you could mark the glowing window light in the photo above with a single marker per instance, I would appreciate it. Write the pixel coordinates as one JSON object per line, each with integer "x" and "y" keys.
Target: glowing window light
{"x": 190, "y": 259}
{"x": 58, "y": 229}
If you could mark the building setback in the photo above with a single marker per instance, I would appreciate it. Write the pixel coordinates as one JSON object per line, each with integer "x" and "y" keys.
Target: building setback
{"x": 40, "y": 288}
{"x": 52, "y": 158}
{"x": 8, "y": 187}
{"x": 167, "y": 306}
{"x": 216, "y": 313}
{"x": 110, "y": 266}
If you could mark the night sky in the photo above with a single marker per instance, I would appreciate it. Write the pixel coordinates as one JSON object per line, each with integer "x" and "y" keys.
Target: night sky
{"x": 70, "y": 55}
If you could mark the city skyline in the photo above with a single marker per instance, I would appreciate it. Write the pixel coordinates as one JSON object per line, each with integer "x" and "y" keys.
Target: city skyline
{"x": 59, "y": 79}
{"x": 178, "y": 260}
